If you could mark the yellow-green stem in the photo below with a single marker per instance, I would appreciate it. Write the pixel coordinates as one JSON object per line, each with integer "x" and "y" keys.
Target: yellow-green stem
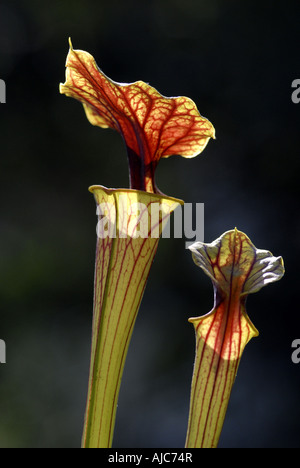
{"x": 122, "y": 266}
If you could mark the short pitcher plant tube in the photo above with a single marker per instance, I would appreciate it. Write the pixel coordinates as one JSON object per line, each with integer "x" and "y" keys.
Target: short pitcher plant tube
{"x": 236, "y": 268}
{"x": 130, "y": 221}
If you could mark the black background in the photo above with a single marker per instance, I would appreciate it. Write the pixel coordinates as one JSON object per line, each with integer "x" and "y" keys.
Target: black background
{"x": 237, "y": 61}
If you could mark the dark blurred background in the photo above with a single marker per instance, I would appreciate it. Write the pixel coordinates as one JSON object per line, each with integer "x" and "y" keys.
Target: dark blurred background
{"x": 237, "y": 61}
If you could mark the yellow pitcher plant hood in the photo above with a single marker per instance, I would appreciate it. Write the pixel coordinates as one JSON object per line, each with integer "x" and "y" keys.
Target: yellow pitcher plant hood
{"x": 152, "y": 126}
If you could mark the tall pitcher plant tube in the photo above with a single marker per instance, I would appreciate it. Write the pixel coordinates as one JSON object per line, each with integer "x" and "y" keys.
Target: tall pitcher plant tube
{"x": 152, "y": 127}
{"x": 236, "y": 268}
{"x": 123, "y": 261}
